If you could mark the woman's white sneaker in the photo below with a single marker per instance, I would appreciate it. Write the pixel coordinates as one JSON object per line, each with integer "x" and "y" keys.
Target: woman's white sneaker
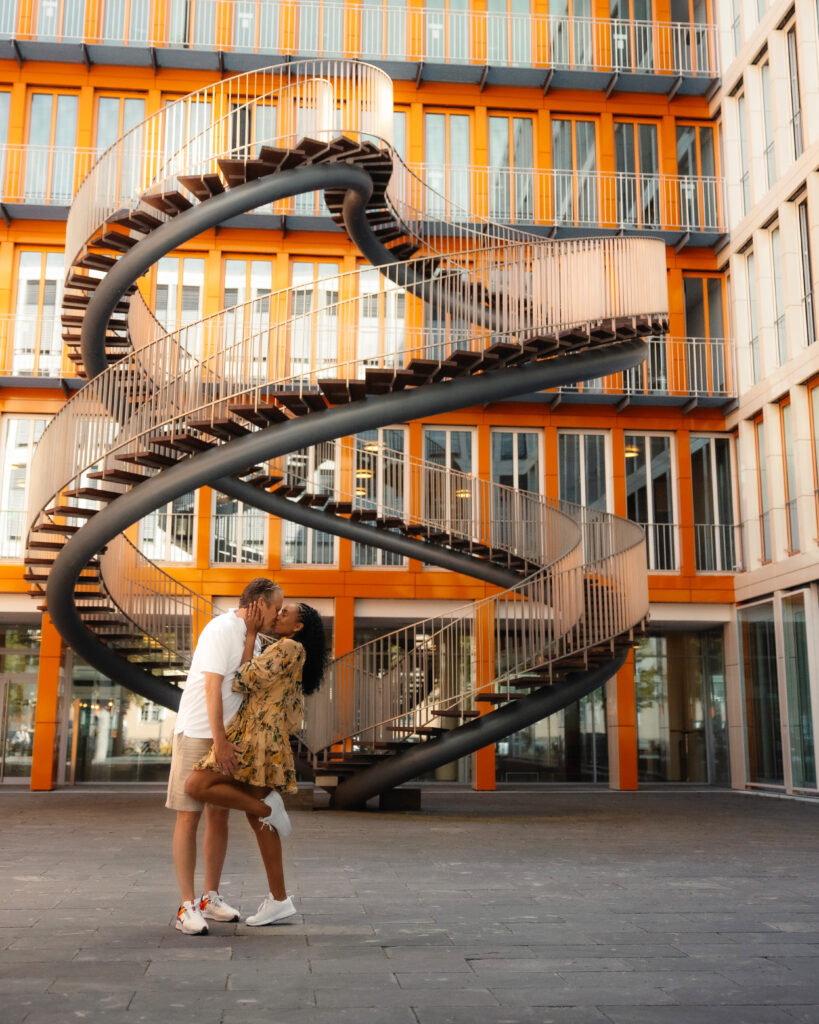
{"x": 214, "y": 908}
{"x": 189, "y": 919}
{"x": 277, "y": 818}
{"x": 271, "y": 910}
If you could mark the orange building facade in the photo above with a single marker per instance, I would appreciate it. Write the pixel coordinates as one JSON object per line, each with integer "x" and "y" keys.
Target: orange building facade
{"x": 572, "y": 122}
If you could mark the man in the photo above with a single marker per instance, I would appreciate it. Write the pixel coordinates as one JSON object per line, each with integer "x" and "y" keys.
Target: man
{"x": 207, "y": 703}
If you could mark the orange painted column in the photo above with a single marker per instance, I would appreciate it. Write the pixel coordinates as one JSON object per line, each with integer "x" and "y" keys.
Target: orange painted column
{"x": 483, "y": 760}
{"x": 621, "y": 711}
{"x": 48, "y": 704}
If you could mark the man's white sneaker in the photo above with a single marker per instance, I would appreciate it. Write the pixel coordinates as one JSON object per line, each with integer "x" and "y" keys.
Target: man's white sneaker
{"x": 271, "y": 910}
{"x": 277, "y": 818}
{"x": 189, "y": 919}
{"x": 214, "y": 908}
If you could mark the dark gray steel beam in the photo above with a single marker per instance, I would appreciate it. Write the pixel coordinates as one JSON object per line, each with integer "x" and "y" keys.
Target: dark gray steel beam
{"x": 432, "y": 554}
{"x": 479, "y": 733}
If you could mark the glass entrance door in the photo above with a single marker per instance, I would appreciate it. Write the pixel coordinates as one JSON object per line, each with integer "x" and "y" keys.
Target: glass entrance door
{"x": 18, "y": 699}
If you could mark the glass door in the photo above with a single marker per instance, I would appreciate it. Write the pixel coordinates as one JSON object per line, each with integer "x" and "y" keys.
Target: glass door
{"x": 18, "y": 700}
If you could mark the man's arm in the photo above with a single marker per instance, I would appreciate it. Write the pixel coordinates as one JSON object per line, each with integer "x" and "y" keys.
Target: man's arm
{"x": 225, "y": 752}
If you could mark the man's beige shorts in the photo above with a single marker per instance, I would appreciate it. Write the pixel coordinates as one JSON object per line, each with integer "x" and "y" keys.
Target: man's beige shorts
{"x": 186, "y": 752}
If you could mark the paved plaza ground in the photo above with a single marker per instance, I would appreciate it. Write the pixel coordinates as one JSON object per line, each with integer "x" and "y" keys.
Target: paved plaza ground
{"x": 538, "y": 905}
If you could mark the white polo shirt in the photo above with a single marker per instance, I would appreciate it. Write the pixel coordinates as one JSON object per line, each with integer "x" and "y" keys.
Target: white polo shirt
{"x": 219, "y": 650}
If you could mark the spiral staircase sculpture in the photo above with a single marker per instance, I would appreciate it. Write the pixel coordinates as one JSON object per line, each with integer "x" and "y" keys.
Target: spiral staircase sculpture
{"x": 223, "y": 401}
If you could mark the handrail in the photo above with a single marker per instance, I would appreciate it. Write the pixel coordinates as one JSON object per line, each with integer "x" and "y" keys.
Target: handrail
{"x": 273, "y": 106}
{"x": 411, "y": 675}
{"x": 392, "y": 32}
{"x": 530, "y": 196}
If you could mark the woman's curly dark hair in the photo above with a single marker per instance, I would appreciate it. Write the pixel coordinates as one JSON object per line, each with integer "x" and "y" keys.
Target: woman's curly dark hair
{"x": 311, "y": 637}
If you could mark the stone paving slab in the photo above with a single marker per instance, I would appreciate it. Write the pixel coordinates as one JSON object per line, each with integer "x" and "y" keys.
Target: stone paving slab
{"x": 536, "y": 906}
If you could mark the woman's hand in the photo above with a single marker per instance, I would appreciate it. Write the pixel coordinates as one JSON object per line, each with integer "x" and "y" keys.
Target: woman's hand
{"x": 254, "y": 617}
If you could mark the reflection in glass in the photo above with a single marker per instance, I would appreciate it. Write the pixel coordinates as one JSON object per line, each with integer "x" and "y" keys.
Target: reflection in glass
{"x": 682, "y": 729}
{"x": 762, "y": 717}
{"x": 797, "y": 678}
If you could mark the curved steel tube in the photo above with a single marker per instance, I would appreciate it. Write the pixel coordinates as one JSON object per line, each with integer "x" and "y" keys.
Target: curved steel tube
{"x": 479, "y": 733}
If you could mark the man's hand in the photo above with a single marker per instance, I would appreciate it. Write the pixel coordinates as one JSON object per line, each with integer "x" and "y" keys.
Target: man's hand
{"x": 225, "y": 754}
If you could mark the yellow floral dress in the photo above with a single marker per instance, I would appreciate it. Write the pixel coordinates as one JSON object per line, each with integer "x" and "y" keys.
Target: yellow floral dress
{"x": 270, "y": 713}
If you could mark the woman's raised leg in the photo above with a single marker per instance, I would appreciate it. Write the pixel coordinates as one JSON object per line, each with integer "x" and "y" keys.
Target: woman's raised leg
{"x": 211, "y": 788}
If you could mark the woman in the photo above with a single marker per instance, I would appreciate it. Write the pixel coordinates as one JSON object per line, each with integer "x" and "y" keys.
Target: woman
{"x": 272, "y": 710}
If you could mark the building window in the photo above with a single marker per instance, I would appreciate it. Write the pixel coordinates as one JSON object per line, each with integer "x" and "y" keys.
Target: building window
{"x": 256, "y": 27}
{"x": 37, "y": 344}
{"x": 762, "y": 718}
{"x": 117, "y": 116}
{"x": 571, "y": 33}
{"x": 705, "y": 335}
{"x": 753, "y": 321}
{"x": 447, "y": 30}
{"x": 188, "y": 135}
{"x": 511, "y": 163}
{"x": 509, "y": 32}
{"x": 516, "y": 461}
{"x": 762, "y": 491}
{"x": 814, "y": 437}
{"x": 582, "y": 470}
{"x": 180, "y": 285}
{"x": 399, "y": 133}
{"x": 796, "y": 103}
{"x": 309, "y": 471}
{"x": 779, "y": 297}
{"x": 450, "y": 490}
{"x": 237, "y": 532}
{"x": 190, "y": 24}
{"x": 574, "y": 162}
{"x": 632, "y": 47}
{"x": 246, "y": 301}
{"x": 696, "y": 166}
{"x": 807, "y": 273}
{"x": 314, "y": 317}
{"x": 736, "y": 25}
{"x": 20, "y": 436}
{"x": 798, "y": 685}
{"x": 650, "y": 496}
{"x": 768, "y": 125}
{"x": 51, "y": 151}
{"x": 5, "y": 105}
{"x": 447, "y": 156}
{"x": 791, "y": 508}
{"x": 379, "y": 486}
{"x": 744, "y": 162}
{"x": 167, "y": 534}
{"x": 381, "y": 320}
{"x": 384, "y": 30}
{"x": 637, "y": 166}
{"x": 715, "y": 547}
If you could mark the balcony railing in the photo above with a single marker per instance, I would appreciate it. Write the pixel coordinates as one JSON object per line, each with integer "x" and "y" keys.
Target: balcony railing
{"x": 577, "y": 199}
{"x": 380, "y": 31}
{"x": 684, "y": 367}
{"x": 661, "y": 546}
{"x": 237, "y": 539}
{"x": 42, "y": 175}
{"x": 12, "y": 529}
{"x": 31, "y": 346}
{"x": 167, "y": 536}
{"x": 718, "y": 547}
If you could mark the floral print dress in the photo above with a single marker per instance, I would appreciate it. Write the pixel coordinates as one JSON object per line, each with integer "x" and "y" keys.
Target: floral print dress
{"x": 270, "y": 713}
